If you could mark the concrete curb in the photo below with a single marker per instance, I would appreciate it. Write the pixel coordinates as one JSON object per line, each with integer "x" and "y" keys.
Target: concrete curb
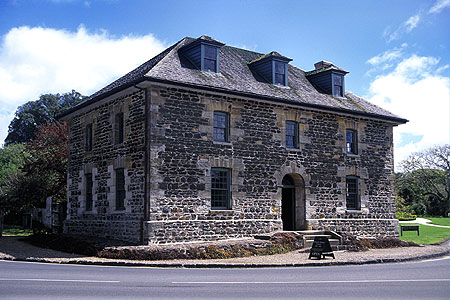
{"x": 231, "y": 265}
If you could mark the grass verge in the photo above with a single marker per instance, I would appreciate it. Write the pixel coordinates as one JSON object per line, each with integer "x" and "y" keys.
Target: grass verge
{"x": 439, "y": 221}
{"x": 428, "y": 235}
{"x": 11, "y": 230}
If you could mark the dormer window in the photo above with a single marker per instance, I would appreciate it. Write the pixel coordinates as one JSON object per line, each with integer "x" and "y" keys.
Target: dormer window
{"x": 280, "y": 73}
{"x": 272, "y": 68}
{"x": 209, "y": 58}
{"x": 327, "y": 78}
{"x": 338, "y": 85}
{"x": 202, "y": 54}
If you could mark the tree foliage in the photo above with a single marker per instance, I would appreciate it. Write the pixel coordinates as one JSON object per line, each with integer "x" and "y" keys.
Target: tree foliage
{"x": 31, "y": 115}
{"x": 43, "y": 173}
{"x": 12, "y": 159}
{"x": 424, "y": 182}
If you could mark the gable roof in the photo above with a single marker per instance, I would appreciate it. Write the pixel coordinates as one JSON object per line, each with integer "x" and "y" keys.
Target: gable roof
{"x": 236, "y": 78}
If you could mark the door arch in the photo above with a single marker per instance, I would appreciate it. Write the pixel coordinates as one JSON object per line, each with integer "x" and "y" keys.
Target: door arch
{"x": 293, "y": 213}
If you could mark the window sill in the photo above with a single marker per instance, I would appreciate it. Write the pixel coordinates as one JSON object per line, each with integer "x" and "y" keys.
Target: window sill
{"x": 90, "y": 212}
{"x": 221, "y": 210}
{"x": 118, "y": 212}
{"x": 358, "y": 211}
{"x": 119, "y": 145}
{"x": 222, "y": 143}
{"x": 293, "y": 149}
{"x": 281, "y": 86}
{"x": 352, "y": 155}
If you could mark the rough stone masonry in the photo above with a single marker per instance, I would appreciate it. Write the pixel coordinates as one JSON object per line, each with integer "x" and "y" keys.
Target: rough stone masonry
{"x": 181, "y": 153}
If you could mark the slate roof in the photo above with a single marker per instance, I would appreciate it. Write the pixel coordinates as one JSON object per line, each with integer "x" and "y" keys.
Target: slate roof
{"x": 235, "y": 77}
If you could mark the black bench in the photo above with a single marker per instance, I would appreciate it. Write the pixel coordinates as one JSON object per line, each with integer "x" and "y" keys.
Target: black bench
{"x": 409, "y": 228}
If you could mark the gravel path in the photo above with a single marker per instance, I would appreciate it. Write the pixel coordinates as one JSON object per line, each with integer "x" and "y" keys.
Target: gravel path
{"x": 423, "y": 221}
{"x": 13, "y": 249}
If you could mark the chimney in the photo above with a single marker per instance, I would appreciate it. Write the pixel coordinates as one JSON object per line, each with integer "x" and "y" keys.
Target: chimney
{"x": 322, "y": 64}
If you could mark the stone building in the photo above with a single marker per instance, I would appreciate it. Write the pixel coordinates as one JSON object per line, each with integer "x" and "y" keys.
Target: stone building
{"x": 207, "y": 142}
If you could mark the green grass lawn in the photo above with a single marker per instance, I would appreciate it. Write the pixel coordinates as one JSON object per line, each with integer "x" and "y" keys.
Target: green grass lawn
{"x": 439, "y": 221}
{"x": 428, "y": 234}
{"x": 9, "y": 230}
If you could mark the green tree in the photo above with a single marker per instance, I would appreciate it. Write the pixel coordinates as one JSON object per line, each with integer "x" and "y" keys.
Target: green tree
{"x": 31, "y": 115}
{"x": 424, "y": 182}
{"x": 12, "y": 159}
{"x": 43, "y": 173}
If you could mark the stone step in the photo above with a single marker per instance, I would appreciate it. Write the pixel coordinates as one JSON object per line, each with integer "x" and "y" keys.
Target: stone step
{"x": 312, "y": 236}
{"x": 333, "y": 242}
{"x": 310, "y": 232}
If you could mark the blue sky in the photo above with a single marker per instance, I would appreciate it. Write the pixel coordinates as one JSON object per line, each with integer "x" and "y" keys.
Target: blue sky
{"x": 397, "y": 52}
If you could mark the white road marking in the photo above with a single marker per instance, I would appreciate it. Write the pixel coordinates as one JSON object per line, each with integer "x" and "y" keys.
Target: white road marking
{"x": 59, "y": 280}
{"x": 314, "y": 281}
{"x": 434, "y": 259}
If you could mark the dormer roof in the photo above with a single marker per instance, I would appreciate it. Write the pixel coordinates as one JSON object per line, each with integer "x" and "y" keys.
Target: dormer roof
{"x": 323, "y": 66}
{"x": 271, "y": 55}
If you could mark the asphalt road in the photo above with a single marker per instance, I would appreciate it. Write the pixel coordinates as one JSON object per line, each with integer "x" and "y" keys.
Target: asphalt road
{"x": 415, "y": 280}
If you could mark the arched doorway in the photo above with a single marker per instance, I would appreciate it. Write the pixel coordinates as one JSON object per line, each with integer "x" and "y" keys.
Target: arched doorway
{"x": 293, "y": 202}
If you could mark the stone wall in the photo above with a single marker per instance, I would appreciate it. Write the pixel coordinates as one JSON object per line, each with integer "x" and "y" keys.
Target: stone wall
{"x": 105, "y": 220}
{"x": 183, "y": 153}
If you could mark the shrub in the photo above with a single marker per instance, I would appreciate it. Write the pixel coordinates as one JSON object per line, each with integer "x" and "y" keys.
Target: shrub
{"x": 405, "y": 216}
{"x": 278, "y": 243}
{"x": 356, "y": 244}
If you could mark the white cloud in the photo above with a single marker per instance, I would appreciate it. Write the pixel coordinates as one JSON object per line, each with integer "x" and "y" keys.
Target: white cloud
{"x": 405, "y": 27}
{"x": 412, "y": 22}
{"x": 385, "y": 60}
{"x": 387, "y": 56}
{"x": 439, "y": 6}
{"x": 416, "y": 91}
{"x": 35, "y": 61}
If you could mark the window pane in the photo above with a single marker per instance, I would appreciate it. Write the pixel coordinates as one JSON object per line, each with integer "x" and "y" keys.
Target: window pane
{"x": 220, "y": 130}
{"x": 337, "y": 80}
{"x": 118, "y": 128}
{"x": 120, "y": 189}
{"x": 291, "y": 134}
{"x": 279, "y": 68}
{"x": 89, "y": 192}
{"x": 338, "y": 85}
{"x": 209, "y": 65}
{"x": 219, "y": 135}
{"x": 210, "y": 52}
{"x": 352, "y": 197}
{"x": 89, "y": 137}
{"x": 279, "y": 79}
{"x": 350, "y": 138}
{"x": 338, "y": 91}
{"x": 220, "y": 188}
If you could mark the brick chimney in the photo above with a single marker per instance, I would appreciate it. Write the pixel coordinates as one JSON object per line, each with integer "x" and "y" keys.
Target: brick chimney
{"x": 322, "y": 64}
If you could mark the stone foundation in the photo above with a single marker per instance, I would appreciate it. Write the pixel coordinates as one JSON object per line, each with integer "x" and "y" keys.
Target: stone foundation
{"x": 362, "y": 228}
{"x": 208, "y": 230}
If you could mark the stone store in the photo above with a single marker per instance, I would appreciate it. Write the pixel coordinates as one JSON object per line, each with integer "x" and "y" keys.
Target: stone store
{"x": 208, "y": 142}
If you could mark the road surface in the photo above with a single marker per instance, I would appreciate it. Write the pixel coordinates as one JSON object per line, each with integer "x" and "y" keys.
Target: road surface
{"x": 414, "y": 280}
